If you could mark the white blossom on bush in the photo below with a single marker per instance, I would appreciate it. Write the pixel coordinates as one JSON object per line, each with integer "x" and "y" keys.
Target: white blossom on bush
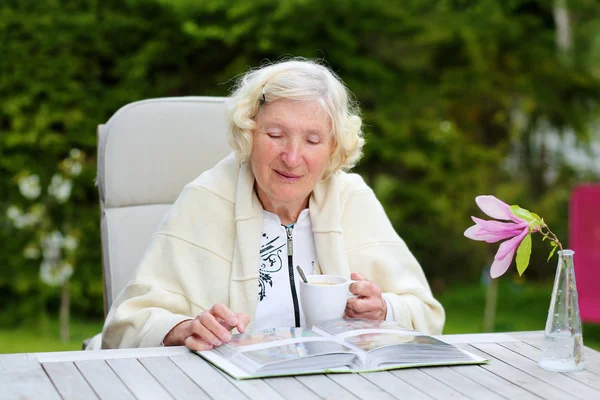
{"x": 73, "y": 165}
{"x": 29, "y": 186}
{"x": 24, "y": 220}
{"x": 51, "y": 245}
{"x": 70, "y": 243}
{"x": 31, "y": 252}
{"x": 13, "y": 213}
{"x": 55, "y": 273}
{"x": 60, "y": 188}
{"x": 76, "y": 154}
{"x": 54, "y": 237}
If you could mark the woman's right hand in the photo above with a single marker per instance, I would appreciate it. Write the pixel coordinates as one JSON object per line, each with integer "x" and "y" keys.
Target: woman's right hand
{"x": 210, "y": 328}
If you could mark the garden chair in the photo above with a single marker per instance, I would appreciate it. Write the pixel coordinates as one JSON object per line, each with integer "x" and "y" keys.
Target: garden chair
{"x": 147, "y": 152}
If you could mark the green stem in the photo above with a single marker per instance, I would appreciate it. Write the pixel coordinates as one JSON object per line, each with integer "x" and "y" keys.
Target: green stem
{"x": 553, "y": 237}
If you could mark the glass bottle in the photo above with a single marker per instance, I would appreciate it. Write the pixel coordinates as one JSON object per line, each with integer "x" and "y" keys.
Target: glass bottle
{"x": 562, "y": 347}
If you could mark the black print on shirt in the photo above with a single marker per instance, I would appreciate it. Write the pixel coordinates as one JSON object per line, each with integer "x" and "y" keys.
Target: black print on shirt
{"x": 271, "y": 262}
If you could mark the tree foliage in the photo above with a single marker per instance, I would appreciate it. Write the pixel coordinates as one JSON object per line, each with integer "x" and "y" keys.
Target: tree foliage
{"x": 449, "y": 89}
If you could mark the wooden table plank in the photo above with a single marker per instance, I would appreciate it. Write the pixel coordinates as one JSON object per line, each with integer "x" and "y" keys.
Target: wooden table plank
{"x": 592, "y": 360}
{"x": 461, "y": 383}
{"x": 112, "y": 354}
{"x": 555, "y": 379}
{"x": 325, "y": 387}
{"x": 103, "y": 380}
{"x": 518, "y": 377}
{"x": 68, "y": 381}
{"x": 290, "y": 388}
{"x": 360, "y": 386}
{"x": 22, "y": 376}
{"x": 590, "y": 354}
{"x": 252, "y": 388}
{"x": 495, "y": 383}
{"x": 533, "y": 353}
{"x": 395, "y": 386}
{"x": 468, "y": 338}
{"x": 427, "y": 384}
{"x": 205, "y": 376}
{"x": 523, "y": 335}
{"x": 137, "y": 378}
{"x": 173, "y": 379}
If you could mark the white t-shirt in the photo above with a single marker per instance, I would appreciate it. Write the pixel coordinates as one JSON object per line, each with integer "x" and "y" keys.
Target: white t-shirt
{"x": 278, "y": 290}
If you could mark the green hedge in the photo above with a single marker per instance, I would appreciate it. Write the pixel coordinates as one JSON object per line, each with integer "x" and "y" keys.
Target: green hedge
{"x": 448, "y": 89}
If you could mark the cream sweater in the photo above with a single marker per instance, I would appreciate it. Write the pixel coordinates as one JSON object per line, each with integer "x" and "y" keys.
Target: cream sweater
{"x": 206, "y": 252}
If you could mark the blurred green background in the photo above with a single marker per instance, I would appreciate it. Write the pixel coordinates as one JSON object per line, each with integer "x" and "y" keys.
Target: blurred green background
{"x": 459, "y": 98}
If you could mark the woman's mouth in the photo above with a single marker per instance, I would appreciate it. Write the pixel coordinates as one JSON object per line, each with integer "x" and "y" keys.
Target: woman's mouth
{"x": 287, "y": 177}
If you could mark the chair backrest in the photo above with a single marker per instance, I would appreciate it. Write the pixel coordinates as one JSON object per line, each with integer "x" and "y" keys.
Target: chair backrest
{"x": 147, "y": 152}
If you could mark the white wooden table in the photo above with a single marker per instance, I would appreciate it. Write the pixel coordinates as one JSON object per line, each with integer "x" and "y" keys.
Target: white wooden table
{"x": 167, "y": 373}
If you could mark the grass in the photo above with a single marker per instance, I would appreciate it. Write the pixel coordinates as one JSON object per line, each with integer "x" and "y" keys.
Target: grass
{"x": 520, "y": 307}
{"x": 44, "y": 336}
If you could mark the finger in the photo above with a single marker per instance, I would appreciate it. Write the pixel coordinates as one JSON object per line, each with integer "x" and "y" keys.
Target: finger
{"x": 365, "y": 289}
{"x": 358, "y": 288}
{"x": 371, "y": 314}
{"x": 368, "y": 315}
{"x": 350, "y": 313}
{"x": 209, "y": 327}
{"x": 355, "y": 276}
{"x": 195, "y": 343}
{"x": 199, "y": 329}
{"x": 243, "y": 321}
{"x": 224, "y": 314}
{"x": 365, "y": 305}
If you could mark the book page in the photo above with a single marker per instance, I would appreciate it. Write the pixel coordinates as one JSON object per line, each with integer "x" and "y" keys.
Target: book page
{"x": 285, "y": 349}
{"x": 382, "y": 343}
{"x": 351, "y": 327}
{"x": 263, "y": 339}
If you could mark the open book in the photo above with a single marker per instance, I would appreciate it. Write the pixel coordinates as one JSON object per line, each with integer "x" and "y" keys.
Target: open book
{"x": 344, "y": 345}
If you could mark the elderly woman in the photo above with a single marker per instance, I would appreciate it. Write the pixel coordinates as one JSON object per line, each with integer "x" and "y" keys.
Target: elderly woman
{"x": 225, "y": 254}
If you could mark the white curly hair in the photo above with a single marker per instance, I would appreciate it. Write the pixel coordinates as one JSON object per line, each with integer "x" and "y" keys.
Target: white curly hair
{"x": 297, "y": 79}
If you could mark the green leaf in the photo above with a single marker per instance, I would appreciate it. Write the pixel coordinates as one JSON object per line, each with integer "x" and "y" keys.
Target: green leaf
{"x": 524, "y": 214}
{"x": 535, "y": 224}
{"x": 523, "y": 254}
{"x": 552, "y": 252}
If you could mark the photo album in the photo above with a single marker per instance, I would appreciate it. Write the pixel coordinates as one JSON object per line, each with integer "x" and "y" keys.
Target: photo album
{"x": 338, "y": 346}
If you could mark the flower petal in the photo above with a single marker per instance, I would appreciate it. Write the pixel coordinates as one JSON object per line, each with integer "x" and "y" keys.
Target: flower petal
{"x": 505, "y": 255}
{"x": 509, "y": 247}
{"x": 476, "y": 232}
{"x": 496, "y": 208}
{"x": 499, "y": 267}
{"x": 500, "y": 227}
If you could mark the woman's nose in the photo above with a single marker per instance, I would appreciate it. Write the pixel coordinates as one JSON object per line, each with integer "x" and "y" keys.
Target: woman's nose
{"x": 292, "y": 154}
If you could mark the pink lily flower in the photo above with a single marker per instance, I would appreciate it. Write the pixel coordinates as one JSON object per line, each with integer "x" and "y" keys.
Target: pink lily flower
{"x": 494, "y": 231}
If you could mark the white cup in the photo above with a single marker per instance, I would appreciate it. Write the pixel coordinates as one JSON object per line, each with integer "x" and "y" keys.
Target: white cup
{"x": 323, "y": 298}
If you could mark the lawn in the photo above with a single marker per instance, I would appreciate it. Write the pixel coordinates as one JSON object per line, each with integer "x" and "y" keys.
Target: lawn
{"x": 45, "y": 336}
{"x": 520, "y": 307}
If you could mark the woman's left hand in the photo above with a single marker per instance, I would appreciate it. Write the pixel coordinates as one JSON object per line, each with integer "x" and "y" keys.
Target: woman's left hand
{"x": 369, "y": 304}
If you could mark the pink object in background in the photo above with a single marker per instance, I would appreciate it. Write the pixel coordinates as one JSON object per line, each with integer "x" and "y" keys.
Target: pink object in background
{"x": 584, "y": 239}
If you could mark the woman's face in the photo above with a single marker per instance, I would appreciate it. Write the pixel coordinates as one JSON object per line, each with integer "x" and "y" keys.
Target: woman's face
{"x": 292, "y": 146}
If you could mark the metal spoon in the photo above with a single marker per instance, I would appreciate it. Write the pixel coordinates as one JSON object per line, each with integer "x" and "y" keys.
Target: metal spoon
{"x": 301, "y": 274}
